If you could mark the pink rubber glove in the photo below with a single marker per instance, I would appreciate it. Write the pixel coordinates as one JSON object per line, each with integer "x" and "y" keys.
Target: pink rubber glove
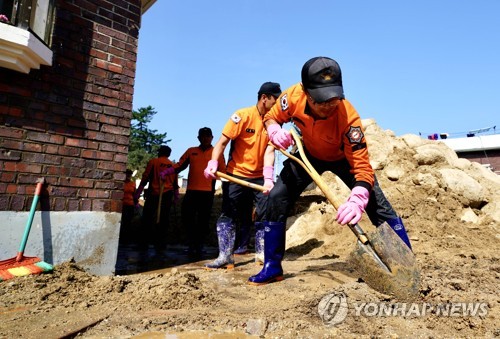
{"x": 279, "y": 137}
{"x": 166, "y": 172}
{"x": 209, "y": 172}
{"x": 268, "y": 173}
{"x": 351, "y": 211}
{"x": 137, "y": 194}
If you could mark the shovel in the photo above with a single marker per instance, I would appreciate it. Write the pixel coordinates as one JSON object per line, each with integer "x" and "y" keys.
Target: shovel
{"x": 158, "y": 210}
{"x": 241, "y": 182}
{"x": 385, "y": 262}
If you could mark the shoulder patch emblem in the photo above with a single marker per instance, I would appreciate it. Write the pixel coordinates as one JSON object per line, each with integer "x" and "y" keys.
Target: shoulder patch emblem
{"x": 355, "y": 135}
{"x": 284, "y": 102}
{"x": 235, "y": 118}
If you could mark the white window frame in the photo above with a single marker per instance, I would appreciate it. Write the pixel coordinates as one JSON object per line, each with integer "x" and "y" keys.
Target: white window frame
{"x": 21, "y": 50}
{"x": 21, "y": 45}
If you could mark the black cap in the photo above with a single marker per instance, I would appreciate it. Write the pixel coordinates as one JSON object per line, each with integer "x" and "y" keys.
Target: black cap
{"x": 205, "y": 131}
{"x": 129, "y": 172}
{"x": 322, "y": 78}
{"x": 272, "y": 88}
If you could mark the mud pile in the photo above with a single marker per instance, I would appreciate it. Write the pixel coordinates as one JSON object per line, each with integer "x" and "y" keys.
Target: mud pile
{"x": 436, "y": 193}
{"x": 451, "y": 210}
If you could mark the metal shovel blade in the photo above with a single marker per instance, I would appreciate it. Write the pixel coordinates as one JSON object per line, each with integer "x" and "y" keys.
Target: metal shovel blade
{"x": 403, "y": 280}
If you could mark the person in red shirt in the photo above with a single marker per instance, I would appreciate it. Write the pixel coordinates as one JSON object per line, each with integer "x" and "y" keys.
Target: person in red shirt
{"x": 333, "y": 140}
{"x": 249, "y": 141}
{"x": 197, "y": 203}
{"x": 156, "y": 233}
{"x": 128, "y": 206}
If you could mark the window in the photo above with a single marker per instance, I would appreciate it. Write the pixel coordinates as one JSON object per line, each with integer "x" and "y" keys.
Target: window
{"x": 25, "y": 33}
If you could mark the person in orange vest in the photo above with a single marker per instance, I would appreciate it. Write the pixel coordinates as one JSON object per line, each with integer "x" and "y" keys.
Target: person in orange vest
{"x": 245, "y": 130}
{"x": 155, "y": 233}
{"x": 333, "y": 140}
{"x": 197, "y": 203}
{"x": 128, "y": 206}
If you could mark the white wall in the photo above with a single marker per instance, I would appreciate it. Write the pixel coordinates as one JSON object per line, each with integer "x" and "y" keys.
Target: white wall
{"x": 90, "y": 238}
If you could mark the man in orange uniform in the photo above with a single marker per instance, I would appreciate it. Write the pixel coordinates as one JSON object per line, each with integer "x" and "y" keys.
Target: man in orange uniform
{"x": 128, "y": 206}
{"x": 156, "y": 233}
{"x": 334, "y": 141}
{"x": 198, "y": 200}
{"x": 249, "y": 141}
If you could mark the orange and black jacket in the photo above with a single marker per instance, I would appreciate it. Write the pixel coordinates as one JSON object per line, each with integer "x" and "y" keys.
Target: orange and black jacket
{"x": 248, "y": 143}
{"x": 197, "y": 158}
{"x": 152, "y": 175}
{"x": 337, "y": 137}
{"x": 128, "y": 193}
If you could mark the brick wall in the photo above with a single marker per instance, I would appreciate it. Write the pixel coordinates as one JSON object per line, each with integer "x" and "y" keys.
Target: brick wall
{"x": 70, "y": 122}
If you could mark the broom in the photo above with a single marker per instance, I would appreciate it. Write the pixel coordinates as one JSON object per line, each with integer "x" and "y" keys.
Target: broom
{"x": 21, "y": 265}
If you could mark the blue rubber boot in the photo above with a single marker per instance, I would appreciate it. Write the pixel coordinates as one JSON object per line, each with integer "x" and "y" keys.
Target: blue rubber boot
{"x": 398, "y": 227}
{"x": 226, "y": 234}
{"x": 244, "y": 235}
{"x": 274, "y": 250}
{"x": 259, "y": 243}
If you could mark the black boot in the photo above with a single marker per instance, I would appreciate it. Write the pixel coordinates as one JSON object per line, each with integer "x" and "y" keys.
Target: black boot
{"x": 244, "y": 236}
{"x": 274, "y": 250}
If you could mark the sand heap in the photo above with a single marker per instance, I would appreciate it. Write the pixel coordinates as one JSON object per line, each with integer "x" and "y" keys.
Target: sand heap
{"x": 436, "y": 193}
{"x": 451, "y": 210}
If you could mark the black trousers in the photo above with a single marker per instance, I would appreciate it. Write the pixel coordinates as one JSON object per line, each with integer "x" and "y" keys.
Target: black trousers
{"x": 238, "y": 201}
{"x": 294, "y": 179}
{"x": 156, "y": 233}
{"x": 195, "y": 210}
{"x": 128, "y": 212}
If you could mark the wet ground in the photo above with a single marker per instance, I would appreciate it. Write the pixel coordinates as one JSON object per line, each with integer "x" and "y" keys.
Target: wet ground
{"x": 136, "y": 259}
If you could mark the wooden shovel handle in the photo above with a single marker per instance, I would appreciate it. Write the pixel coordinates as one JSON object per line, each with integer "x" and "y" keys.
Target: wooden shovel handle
{"x": 333, "y": 199}
{"x": 241, "y": 182}
{"x": 158, "y": 210}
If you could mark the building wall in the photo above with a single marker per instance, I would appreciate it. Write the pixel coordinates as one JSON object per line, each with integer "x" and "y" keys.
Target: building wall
{"x": 487, "y": 157}
{"x": 69, "y": 124}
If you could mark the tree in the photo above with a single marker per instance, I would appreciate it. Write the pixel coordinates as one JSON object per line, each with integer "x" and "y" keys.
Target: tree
{"x": 144, "y": 142}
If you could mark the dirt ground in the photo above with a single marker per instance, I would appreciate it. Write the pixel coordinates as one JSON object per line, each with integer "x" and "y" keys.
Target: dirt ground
{"x": 458, "y": 258}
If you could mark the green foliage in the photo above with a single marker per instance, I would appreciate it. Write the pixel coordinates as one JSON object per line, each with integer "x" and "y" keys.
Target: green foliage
{"x": 144, "y": 142}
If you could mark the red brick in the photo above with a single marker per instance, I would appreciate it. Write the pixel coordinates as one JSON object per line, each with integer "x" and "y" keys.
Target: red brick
{"x": 10, "y": 132}
{"x": 78, "y": 182}
{"x": 101, "y": 205}
{"x": 7, "y": 177}
{"x": 85, "y": 205}
{"x": 59, "y": 204}
{"x": 98, "y": 194}
{"x": 17, "y": 203}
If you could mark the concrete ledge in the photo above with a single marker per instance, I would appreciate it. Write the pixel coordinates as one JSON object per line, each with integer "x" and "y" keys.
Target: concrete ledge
{"x": 91, "y": 238}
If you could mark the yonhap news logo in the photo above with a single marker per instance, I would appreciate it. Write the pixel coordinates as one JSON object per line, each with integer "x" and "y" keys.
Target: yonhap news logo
{"x": 334, "y": 308}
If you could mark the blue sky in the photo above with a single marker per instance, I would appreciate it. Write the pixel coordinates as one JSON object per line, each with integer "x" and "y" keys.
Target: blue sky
{"x": 413, "y": 66}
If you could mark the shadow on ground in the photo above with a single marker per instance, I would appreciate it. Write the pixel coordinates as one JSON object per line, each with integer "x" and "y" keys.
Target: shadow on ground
{"x": 133, "y": 258}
